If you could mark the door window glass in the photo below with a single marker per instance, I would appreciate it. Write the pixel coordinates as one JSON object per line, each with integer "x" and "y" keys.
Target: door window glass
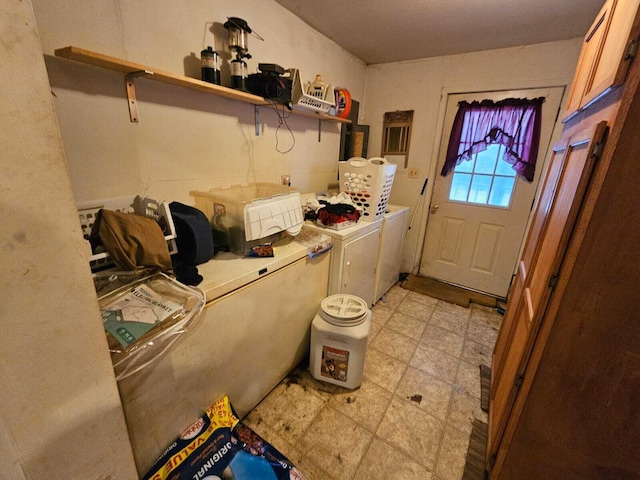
{"x": 486, "y": 179}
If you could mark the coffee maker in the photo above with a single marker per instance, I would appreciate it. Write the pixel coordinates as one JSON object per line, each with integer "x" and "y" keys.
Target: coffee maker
{"x": 239, "y": 32}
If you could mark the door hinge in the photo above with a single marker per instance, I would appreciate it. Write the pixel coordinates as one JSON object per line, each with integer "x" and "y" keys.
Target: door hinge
{"x": 553, "y": 281}
{"x": 519, "y": 380}
{"x": 596, "y": 151}
{"x": 632, "y": 49}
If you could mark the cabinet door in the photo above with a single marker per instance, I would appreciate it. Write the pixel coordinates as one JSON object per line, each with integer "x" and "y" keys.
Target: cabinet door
{"x": 543, "y": 206}
{"x": 606, "y": 54}
{"x": 614, "y": 58}
{"x": 558, "y": 207}
{"x": 359, "y": 266}
{"x": 588, "y": 56}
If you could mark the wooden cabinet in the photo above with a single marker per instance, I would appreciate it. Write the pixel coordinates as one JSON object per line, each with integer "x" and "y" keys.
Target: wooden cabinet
{"x": 572, "y": 164}
{"x": 565, "y": 370}
{"x": 607, "y": 51}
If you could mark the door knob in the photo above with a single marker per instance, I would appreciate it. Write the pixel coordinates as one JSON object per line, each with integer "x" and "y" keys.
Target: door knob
{"x": 434, "y": 208}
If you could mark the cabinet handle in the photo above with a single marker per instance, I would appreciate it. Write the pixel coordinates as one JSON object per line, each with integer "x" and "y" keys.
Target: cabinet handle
{"x": 347, "y": 273}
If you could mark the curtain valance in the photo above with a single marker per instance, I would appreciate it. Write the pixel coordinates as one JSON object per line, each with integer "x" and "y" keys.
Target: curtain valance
{"x": 513, "y": 122}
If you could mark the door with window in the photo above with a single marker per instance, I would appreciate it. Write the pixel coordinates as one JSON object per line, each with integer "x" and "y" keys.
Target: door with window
{"x": 479, "y": 210}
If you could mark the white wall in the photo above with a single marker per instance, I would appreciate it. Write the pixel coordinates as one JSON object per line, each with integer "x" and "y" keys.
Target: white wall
{"x": 60, "y": 412}
{"x": 185, "y": 140}
{"x": 422, "y": 86}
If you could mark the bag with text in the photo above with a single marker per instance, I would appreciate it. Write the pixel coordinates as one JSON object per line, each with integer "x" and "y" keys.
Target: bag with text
{"x": 218, "y": 446}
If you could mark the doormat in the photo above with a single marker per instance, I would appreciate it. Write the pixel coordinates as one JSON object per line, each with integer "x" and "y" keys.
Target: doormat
{"x": 446, "y": 292}
{"x": 485, "y": 382}
{"x": 474, "y": 465}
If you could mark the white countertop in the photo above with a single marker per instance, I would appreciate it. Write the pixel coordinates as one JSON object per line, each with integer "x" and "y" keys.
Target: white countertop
{"x": 227, "y": 272}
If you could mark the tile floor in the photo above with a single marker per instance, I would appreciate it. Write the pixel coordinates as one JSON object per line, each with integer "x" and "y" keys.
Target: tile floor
{"x": 412, "y": 416}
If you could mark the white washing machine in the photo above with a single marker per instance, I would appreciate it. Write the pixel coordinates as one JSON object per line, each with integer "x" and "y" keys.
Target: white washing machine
{"x": 394, "y": 227}
{"x": 354, "y": 258}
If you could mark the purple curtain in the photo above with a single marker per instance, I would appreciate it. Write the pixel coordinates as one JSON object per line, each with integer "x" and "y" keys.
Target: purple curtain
{"x": 513, "y": 122}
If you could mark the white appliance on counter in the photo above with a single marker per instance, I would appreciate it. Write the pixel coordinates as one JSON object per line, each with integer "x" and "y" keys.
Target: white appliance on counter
{"x": 354, "y": 257}
{"x": 394, "y": 226}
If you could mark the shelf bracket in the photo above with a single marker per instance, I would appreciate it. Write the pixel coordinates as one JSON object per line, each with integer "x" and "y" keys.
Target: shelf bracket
{"x": 131, "y": 93}
{"x": 256, "y": 115}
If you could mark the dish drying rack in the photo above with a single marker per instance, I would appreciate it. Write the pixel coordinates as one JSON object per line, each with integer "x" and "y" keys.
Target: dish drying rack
{"x": 144, "y": 206}
{"x": 309, "y": 99}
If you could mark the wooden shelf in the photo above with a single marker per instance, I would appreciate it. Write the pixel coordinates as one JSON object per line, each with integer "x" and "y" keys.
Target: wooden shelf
{"x": 135, "y": 69}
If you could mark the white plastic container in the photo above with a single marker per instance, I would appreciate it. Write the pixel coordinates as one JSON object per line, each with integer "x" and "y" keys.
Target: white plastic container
{"x": 339, "y": 334}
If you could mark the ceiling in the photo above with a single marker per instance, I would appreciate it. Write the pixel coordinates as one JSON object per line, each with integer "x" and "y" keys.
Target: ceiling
{"x": 382, "y": 31}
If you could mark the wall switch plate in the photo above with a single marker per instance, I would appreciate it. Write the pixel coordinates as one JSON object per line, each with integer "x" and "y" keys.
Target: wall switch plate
{"x": 414, "y": 172}
{"x": 285, "y": 180}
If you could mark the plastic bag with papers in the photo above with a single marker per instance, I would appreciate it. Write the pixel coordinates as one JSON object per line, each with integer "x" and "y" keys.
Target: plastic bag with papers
{"x": 144, "y": 317}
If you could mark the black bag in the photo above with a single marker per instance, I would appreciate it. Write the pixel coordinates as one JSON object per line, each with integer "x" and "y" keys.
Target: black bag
{"x": 194, "y": 241}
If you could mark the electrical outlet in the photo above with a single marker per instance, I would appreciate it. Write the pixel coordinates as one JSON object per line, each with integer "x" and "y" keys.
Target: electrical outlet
{"x": 414, "y": 172}
{"x": 285, "y": 180}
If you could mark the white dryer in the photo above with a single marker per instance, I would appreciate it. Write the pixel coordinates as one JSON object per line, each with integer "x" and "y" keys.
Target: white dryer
{"x": 394, "y": 227}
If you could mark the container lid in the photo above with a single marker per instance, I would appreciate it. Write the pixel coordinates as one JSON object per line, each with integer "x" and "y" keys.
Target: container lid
{"x": 237, "y": 23}
{"x": 344, "y": 310}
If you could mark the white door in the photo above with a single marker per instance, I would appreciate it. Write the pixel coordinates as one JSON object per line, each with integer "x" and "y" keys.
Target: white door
{"x": 475, "y": 242}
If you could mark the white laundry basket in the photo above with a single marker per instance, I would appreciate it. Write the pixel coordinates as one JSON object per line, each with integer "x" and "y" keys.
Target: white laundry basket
{"x": 339, "y": 334}
{"x": 368, "y": 183}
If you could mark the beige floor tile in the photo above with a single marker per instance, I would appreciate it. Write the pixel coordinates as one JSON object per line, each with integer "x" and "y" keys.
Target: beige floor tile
{"x": 409, "y": 326}
{"x": 424, "y": 299}
{"x": 483, "y": 334}
{"x": 435, "y": 362}
{"x": 463, "y": 411}
{"x": 444, "y": 340}
{"x": 453, "y": 309}
{"x": 426, "y": 392}
{"x": 413, "y": 431}
{"x": 468, "y": 379}
{"x": 365, "y": 405}
{"x": 416, "y": 309}
{"x": 288, "y": 410}
{"x": 373, "y": 331}
{"x": 335, "y": 443}
{"x": 392, "y": 299}
{"x": 383, "y": 370}
{"x": 486, "y": 316}
{"x": 476, "y": 353}
{"x": 398, "y": 290}
{"x": 394, "y": 344}
{"x": 302, "y": 377}
{"x": 380, "y": 313}
{"x": 383, "y": 462}
{"x": 449, "y": 321}
{"x": 452, "y": 455}
{"x": 412, "y": 416}
{"x": 309, "y": 469}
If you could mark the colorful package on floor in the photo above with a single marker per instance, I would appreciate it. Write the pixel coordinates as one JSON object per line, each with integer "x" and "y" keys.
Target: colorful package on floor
{"x": 219, "y": 446}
